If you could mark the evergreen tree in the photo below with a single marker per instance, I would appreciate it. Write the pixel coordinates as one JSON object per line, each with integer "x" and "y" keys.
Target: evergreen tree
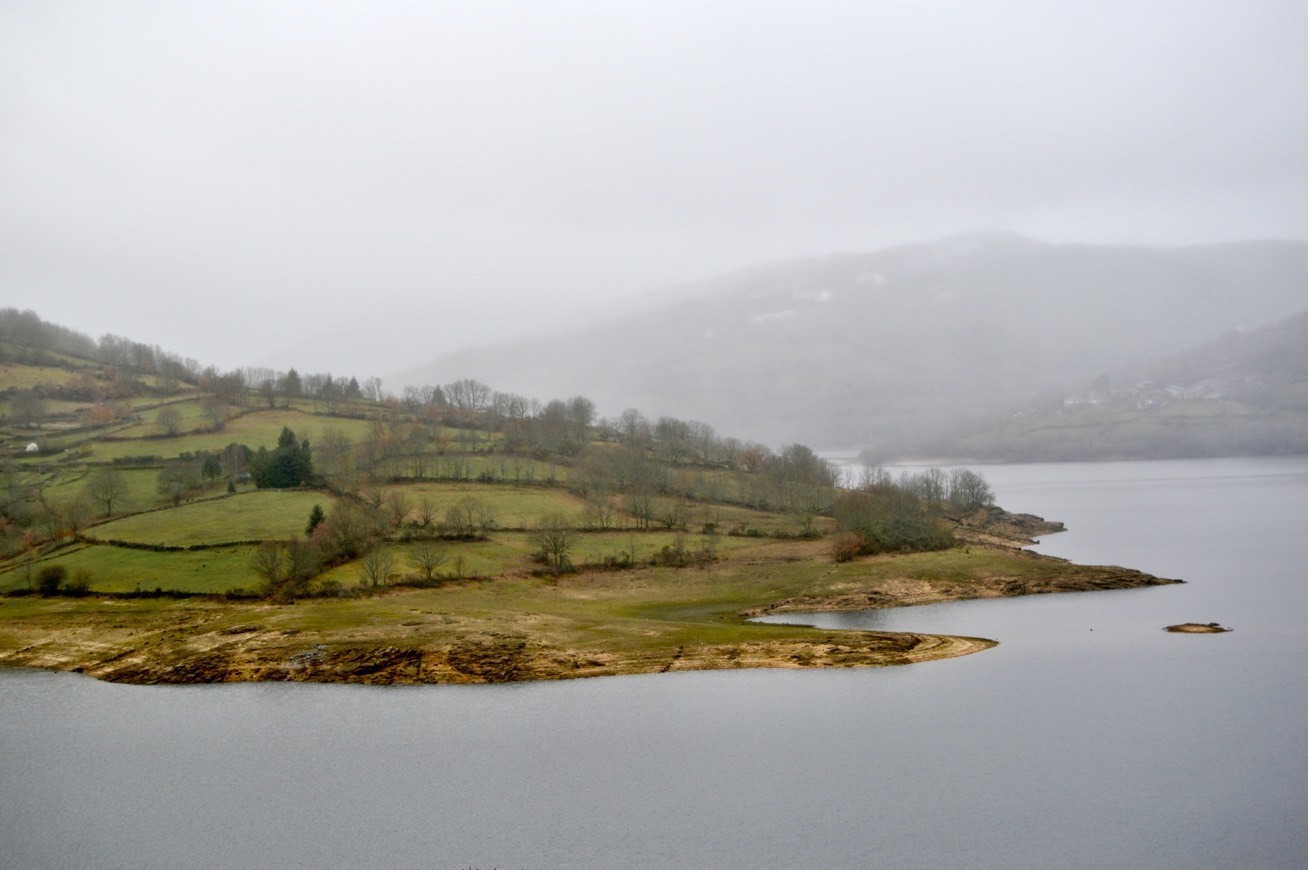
{"x": 316, "y": 516}
{"x": 290, "y": 465}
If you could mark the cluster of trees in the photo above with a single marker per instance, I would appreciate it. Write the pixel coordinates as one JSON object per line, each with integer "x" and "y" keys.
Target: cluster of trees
{"x": 289, "y": 465}
{"x": 356, "y": 529}
{"x": 960, "y": 489}
{"x": 26, "y": 329}
{"x": 882, "y": 514}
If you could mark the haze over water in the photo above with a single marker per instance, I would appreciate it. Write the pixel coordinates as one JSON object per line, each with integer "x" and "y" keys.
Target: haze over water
{"x": 1088, "y": 738}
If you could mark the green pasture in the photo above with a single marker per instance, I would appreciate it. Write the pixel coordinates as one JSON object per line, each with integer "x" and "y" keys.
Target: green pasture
{"x": 620, "y": 611}
{"x": 118, "y": 569}
{"x": 508, "y": 554}
{"x": 249, "y": 516}
{"x": 254, "y": 429}
{"x": 191, "y": 418}
{"x": 16, "y": 376}
{"x": 515, "y": 507}
{"x": 502, "y": 554}
{"x": 140, "y": 489}
{"x": 454, "y": 464}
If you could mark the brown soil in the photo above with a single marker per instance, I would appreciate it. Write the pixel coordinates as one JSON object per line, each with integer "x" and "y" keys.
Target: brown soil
{"x": 499, "y": 658}
{"x": 1197, "y": 628}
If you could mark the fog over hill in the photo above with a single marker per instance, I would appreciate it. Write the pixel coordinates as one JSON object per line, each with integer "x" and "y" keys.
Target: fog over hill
{"x": 1244, "y": 393}
{"x": 862, "y": 349}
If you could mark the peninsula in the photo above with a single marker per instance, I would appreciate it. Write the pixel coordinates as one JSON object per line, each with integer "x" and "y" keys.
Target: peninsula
{"x": 163, "y": 523}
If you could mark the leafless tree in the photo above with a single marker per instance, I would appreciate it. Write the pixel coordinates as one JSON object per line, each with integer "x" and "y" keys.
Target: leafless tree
{"x": 27, "y": 409}
{"x": 169, "y": 420}
{"x": 376, "y": 566}
{"x": 554, "y": 539}
{"x": 269, "y": 564}
{"x": 468, "y": 395}
{"x": 397, "y": 507}
{"x": 599, "y": 509}
{"x": 470, "y": 517}
{"x": 427, "y": 557}
{"x": 106, "y": 486}
{"x": 178, "y": 481}
{"x": 373, "y": 390}
{"x": 633, "y": 428}
{"x": 302, "y": 562}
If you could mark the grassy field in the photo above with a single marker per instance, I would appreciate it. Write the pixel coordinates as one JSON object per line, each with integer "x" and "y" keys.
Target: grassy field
{"x": 17, "y": 376}
{"x": 514, "y": 507}
{"x": 141, "y": 493}
{"x": 250, "y": 516}
{"x": 190, "y": 417}
{"x": 254, "y": 429}
{"x": 117, "y": 569}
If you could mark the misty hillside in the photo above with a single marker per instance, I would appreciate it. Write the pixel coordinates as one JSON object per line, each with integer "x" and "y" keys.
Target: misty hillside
{"x": 1267, "y": 354}
{"x": 863, "y": 349}
{"x": 1243, "y": 393}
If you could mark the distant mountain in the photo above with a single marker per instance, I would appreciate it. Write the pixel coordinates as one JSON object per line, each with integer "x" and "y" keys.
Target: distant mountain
{"x": 900, "y": 344}
{"x": 1243, "y": 393}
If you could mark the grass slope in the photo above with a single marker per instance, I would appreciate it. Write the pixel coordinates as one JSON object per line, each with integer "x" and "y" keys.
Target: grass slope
{"x": 251, "y": 516}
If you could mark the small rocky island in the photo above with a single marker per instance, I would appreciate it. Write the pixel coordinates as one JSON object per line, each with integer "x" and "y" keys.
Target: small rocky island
{"x": 1197, "y": 628}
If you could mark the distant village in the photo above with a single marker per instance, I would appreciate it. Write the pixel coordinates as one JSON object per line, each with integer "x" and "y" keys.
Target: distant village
{"x": 1152, "y": 395}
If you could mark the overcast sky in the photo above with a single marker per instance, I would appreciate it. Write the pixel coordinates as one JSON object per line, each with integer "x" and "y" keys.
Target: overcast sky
{"x": 234, "y": 181}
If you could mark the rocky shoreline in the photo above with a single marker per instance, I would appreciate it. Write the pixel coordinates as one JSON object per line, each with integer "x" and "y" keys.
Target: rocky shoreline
{"x": 313, "y": 641}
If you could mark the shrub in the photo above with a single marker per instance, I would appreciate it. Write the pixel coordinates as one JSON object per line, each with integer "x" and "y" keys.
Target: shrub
{"x": 79, "y": 584}
{"x": 846, "y": 546}
{"x": 50, "y": 579}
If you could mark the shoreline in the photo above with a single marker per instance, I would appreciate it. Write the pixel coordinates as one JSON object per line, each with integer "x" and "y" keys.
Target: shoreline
{"x": 210, "y": 642}
{"x": 517, "y": 628}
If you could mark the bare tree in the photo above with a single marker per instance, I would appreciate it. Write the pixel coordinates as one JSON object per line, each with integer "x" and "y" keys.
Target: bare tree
{"x": 334, "y": 457}
{"x": 169, "y": 420}
{"x": 215, "y": 409}
{"x": 468, "y": 395}
{"x": 269, "y": 564}
{"x": 554, "y": 540}
{"x": 633, "y": 428}
{"x": 426, "y": 513}
{"x": 470, "y": 517}
{"x": 372, "y": 390}
{"x": 178, "y": 481}
{"x": 77, "y": 513}
{"x": 27, "y": 408}
{"x": 397, "y": 507}
{"x": 427, "y": 557}
{"x": 376, "y": 566}
{"x": 302, "y": 563}
{"x": 106, "y": 486}
{"x": 967, "y": 489}
{"x": 349, "y": 529}
{"x": 599, "y": 509}
{"x": 581, "y": 412}
{"x": 640, "y": 504}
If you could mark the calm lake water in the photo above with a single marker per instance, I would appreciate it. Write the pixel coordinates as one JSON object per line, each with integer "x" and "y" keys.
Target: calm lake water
{"x": 1088, "y": 738}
